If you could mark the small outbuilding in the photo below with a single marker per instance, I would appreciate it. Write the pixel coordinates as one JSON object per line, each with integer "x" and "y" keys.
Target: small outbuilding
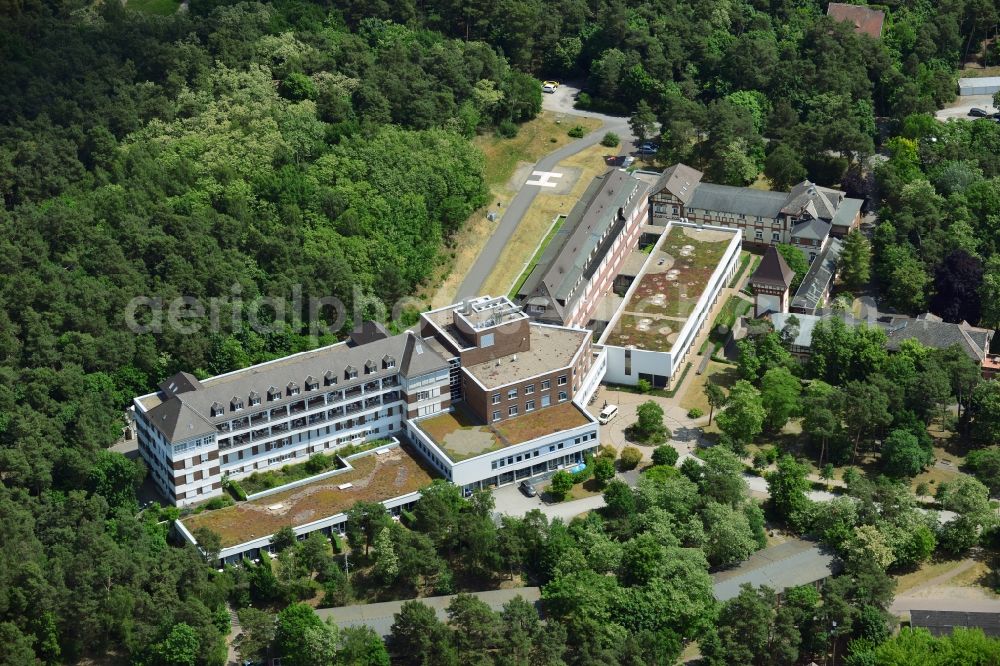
{"x": 983, "y": 85}
{"x": 770, "y": 283}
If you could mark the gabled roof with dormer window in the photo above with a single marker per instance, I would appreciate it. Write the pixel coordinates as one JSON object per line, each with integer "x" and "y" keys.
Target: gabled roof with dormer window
{"x": 191, "y": 399}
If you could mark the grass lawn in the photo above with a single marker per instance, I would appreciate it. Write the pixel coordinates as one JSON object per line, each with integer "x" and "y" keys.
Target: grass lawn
{"x": 694, "y": 396}
{"x": 158, "y": 7}
{"x": 926, "y": 572}
{"x": 538, "y": 254}
{"x": 732, "y": 309}
{"x": 534, "y": 140}
{"x": 538, "y": 218}
{"x": 588, "y": 488}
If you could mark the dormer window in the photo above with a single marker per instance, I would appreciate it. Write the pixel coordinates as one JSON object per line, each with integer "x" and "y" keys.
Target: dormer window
{"x": 292, "y": 388}
{"x": 388, "y": 362}
{"x": 351, "y": 372}
{"x": 236, "y": 403}
{"x": 311, "y": 383}
{"x": 217, "y": 409}
{"x": 273, "y": 393}
{"x": 370, "y": 367}
{"x": 329, "y": 379}
{"x": 254, "y": 398}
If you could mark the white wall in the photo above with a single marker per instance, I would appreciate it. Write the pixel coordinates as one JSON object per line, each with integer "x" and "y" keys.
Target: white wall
{"x": 668, "y": 363}
{"x": 645, "y": 361}
{"x": 767, "y": 302}
{"x": 481, "y": 467}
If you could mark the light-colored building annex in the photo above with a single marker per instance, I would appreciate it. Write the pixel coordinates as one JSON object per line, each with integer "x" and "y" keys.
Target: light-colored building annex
{"x": 669, "y": 302}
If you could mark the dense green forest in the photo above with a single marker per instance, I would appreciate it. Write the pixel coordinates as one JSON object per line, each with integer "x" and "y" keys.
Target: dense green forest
{"x": 241, "y": 149}
{"x": 245, "y": 148}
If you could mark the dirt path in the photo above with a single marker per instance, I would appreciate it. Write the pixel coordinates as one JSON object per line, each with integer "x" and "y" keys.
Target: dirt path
{"x": 938, "y": 580}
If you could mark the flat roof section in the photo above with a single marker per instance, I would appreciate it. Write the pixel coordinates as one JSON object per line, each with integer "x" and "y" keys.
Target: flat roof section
{"x": 790, "y": 564}
{"x": 669, "y": 287}
{"x": 375, "y": 478}
{"x": 462, "y": 435}
{"x": 552, "y": 348}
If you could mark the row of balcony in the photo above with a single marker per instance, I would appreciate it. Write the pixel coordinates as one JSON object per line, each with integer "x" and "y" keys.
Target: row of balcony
{"x": 312, "y": 420}
{"x": 298, "y": 407}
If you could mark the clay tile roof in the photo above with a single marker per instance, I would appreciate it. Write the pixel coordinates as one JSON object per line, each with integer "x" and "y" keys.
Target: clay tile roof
{"x": 866, "y": 20}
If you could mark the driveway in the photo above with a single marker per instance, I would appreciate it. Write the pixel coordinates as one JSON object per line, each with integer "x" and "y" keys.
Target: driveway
{"x": 961, "y": 106}
{"x": 490, "y": 254}
{"x": 512, "y": 502}
{"x": 685, "y": 436}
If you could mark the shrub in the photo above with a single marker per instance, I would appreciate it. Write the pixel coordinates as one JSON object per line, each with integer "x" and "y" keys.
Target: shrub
{"x": 316, "y": 463}
{"x": 610, "y": 140}
{"x": 631, "y": 457}
{"x": 219, "y": 502}
{"x": 583, "y": 101}
{"x": 695, "y": 413}
{"x": 561, "y": 484}
{"x": 236, "y": 489}
{"x": 407, "y": 518}
{"x": 665, "y": 455}
{"x": 604, "y": 470}
{"x": 661, "y": 473}
{"x": 507, "y": 129}
{"x": 644, "y": 386}
{"x": 606, "y": 451}
{"x": 577, "y": 131}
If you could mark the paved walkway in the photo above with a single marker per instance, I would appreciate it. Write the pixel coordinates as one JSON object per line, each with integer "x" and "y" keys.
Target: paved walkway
{"x": 509, "y": 221}
{"x": 381, "y": 616}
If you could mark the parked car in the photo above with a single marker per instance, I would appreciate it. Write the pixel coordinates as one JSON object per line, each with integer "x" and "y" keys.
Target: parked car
{"x": 978, "y": 113}
{"x": 528, "y": 489}
{"x": 549, "y": 86}
{"x": 648, "y": 148}
{"x": 607, "y": 414}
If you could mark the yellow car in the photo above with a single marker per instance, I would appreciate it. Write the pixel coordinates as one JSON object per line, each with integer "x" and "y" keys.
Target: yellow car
{"x": 549, "y": 86}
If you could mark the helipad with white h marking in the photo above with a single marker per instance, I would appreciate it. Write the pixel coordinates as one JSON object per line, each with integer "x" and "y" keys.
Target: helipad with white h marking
{"x": 544, "y": 178}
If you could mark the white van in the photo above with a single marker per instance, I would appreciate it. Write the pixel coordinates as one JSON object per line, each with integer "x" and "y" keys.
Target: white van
{"x": 607, "y": 414}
